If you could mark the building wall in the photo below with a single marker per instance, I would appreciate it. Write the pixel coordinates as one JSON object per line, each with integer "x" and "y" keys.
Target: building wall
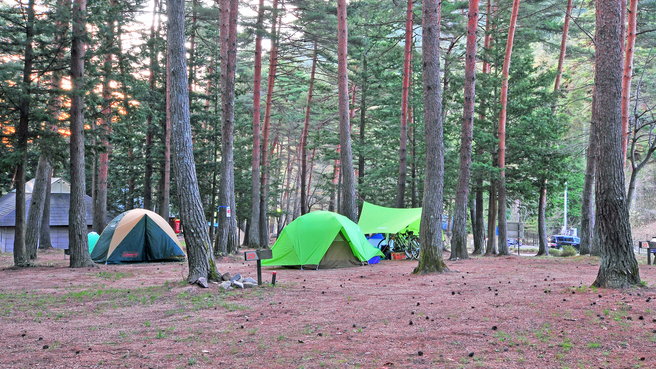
{"x": 58, "y": 237}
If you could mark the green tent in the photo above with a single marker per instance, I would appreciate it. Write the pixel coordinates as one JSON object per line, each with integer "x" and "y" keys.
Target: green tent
{"x": 322, "y": 239}
{"x": 137, "y": 235}
{"x": 379, "y": 219}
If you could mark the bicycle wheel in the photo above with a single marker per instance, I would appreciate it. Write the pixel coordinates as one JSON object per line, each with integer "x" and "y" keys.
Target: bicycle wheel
{"x": 414, "y": 248}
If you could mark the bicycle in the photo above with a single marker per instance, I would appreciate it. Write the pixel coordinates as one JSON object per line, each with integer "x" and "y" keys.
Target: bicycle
{"x": 405, "y": 242}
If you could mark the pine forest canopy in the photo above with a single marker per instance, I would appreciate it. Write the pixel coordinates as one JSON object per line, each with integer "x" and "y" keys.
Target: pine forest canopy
{"x": 126, "y": 122}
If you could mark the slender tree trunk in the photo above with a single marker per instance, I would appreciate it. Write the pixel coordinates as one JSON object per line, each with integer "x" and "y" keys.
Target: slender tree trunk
{"x": 192, "y": 47}
{"x": 563, "y": 46}
{"x": 348, "y": 208}
{"x": 77, "y": 217}
{"x": 100, "y": 198}
{"x": 165, "y": 171}
{"x": 148, "y": 172}
{"x": 304, "y": 136}
{"x": 479, "y": 229}
{"x": 199, "y": 248}
{"x": 543, "y": 248}
{"x": 227, "y": 240}
{"x": 431, "y": 219}
{"x": 363, "y": 115}
{"x": 619, "y": 268}
{"x": 459, "y": 239}
{"x": 503, "y": 240}
{"x": 490, "y": 248}
{"x": 273, "y": 63}
{"x": 254, "y": 224}
{"x": 587, "y": 207}
{"x": 35, "y": 215}
{"x": 21, "y": 256}
{"x": 334, "y": 203}
{"x": 403, "y": 143}
{"x": 44, "y": 235}
{"x": 628, "y": 74}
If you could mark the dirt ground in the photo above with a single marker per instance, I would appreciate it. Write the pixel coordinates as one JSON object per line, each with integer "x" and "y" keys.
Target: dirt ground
{"x": 487, "y": 312}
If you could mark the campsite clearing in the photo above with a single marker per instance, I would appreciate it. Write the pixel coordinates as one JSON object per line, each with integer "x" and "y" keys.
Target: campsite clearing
{"x": 488, "y": 312}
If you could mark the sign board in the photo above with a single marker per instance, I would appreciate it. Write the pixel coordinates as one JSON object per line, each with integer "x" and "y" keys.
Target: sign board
{"x": 515, "y": 230}
{"x": 228, "y": 212}
{"x": 258, "y": 255}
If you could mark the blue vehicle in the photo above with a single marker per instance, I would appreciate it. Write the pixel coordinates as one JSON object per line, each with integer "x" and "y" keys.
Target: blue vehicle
{"x": 558, "y": 241}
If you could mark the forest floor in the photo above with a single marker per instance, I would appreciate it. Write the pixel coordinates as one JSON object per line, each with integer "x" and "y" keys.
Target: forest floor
{"x": 486, "y": 312}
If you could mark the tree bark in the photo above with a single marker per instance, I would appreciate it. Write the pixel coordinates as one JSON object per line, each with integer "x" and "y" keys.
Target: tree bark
{"x": 100, "y": 193}
{"x": 459, "y": 238}
{"x": 587, "y": 207}
{"x": 403, "y": 143}
{"x": 227, "y": 240}
{"x": 254, "y": 224}
{"x": 430, "y": 234}
{"x": 273, "y": 64}
{"x": 44, "y": 235}
{"x": 543, "y": 248}
{"x": 35, "y": 214}
{"x": 348, "y": 208}
{"x": 490, "y": 248}
{"x": 479, "y": 228}
{"x": 21, "y": 256}
{"x": 503, "y": 240}
{"x": 199, "y": 248}
{"x": 563, "y": 46}
{"x": 165, "y": 171}
{"x": 148, "y": 172}
{"x": 628, "y": 74}
{"x": 304, "y": 136}
{"x": 77, "y": 217}
{"x": 618, "y": 268}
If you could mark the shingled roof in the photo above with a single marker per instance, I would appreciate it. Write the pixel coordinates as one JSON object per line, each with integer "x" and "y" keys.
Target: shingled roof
{"x": 59, "y": 207}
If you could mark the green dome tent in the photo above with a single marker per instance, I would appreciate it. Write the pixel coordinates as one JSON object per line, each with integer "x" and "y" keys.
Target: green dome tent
{"x": 137, "y": 235}
{"x": 322, "y": 239}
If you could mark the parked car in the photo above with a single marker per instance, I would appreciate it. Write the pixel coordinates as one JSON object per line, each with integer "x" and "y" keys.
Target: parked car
{"x": 558, "y": 241}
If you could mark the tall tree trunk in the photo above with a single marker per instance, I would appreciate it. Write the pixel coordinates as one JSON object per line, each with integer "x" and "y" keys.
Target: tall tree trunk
{"x": 363, "y": 115}
{"x": 77, "y": 216}
{"x": 199, "y": 248}
{"x": 333, "y": 204}
{"x": 479, "y": 229}
{"x": 21, "y": 256}
{"x": 165, "y": 170}
{"x": 348, "y": 208}
{"x": 490, "y": 248}
{"x": 587, "y": 197}
{"x": 254, "y": 224}
{"x": 503, "y": 240}
{"x": 273, "y": 64}
{"x": 618, "y": 268}
{"x": 227, "y": 240}
{"x": 403, "y": 143}
{"x": 459, "y": 239}
{"x": 100, "y": 193}
{"x": 304, "y": 136}
{"x": 430, "y": 234}
{"x": 543, "y": 248}
{"x": 35, "y": 214}
{"x": 44, "y": 235}
{"x": 148, "y": 172}
{"x": 628, "y": 74}
{"x": 563, "y": 46}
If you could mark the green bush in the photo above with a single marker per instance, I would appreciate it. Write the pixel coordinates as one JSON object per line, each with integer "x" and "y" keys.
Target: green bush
{"x": 555, "y": 252}
{"x": 568, "y": 251}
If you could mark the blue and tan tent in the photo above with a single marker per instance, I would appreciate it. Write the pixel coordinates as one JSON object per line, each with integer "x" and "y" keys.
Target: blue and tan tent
{"x": 137, "y": 235}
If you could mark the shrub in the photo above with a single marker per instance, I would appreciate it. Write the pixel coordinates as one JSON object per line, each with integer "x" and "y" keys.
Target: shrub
{"x": 568, "y": 251}
{"x": 555, "y": 252}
